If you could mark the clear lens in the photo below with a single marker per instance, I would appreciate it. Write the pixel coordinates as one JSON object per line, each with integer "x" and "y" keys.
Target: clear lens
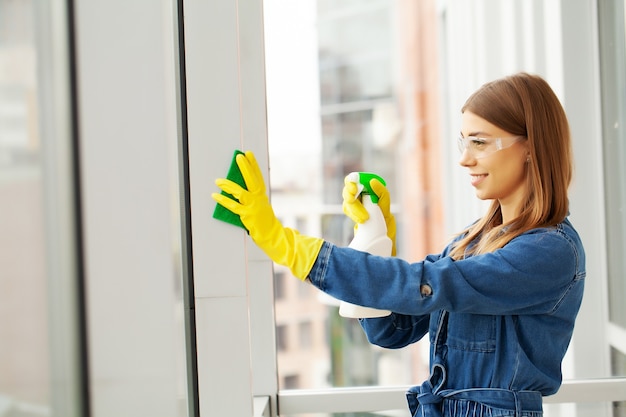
{"x": 483, "y": 147}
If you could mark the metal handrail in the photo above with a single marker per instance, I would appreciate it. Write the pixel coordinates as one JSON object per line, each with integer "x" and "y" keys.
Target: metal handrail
{"x": 370, "y": 399}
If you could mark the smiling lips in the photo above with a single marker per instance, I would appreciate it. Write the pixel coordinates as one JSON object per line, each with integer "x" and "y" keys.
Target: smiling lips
{"x": 477, "y": 178}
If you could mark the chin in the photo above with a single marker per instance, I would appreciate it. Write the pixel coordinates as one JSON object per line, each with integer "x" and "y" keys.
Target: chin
{"x": 482, "y": 196}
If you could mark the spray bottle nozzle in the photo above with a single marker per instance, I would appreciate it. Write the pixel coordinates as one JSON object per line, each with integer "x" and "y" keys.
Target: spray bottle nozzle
{"x": 362, "y": 179}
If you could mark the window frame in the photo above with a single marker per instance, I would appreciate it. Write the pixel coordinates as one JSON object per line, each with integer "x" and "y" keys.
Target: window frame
{"x": 233, "y": 97}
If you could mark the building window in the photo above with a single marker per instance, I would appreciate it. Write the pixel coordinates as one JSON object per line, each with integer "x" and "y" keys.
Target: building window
{"x": 305, "y": 335}
{"x": 281, "y": 338}
{"x": 280, "y": 277}
{"x": 291, "y": 381}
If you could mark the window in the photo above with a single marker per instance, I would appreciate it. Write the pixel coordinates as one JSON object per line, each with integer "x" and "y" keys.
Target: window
{"x": 613, "y": 80}
{"x": 347, "y": 87}
{"x": 42, "y": 340}
{"x": 391, "y": 78}
{"x": 227, "y": 98}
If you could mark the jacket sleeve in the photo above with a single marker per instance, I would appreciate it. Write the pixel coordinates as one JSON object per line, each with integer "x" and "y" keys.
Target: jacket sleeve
{"x": 395, "y": 331}
{"x": 398, "y": 330}
{"x": 532, "y": 274}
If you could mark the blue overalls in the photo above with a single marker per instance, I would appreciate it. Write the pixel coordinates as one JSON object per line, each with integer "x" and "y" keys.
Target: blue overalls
{"x": 499, "y": 323}
{"x": 432, "y": 399}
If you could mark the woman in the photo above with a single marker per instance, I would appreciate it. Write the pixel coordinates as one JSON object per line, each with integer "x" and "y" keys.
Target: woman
{"x": 499, "y": 302}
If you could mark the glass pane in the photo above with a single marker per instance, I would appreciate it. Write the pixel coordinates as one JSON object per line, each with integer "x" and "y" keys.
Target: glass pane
{"x": 367, "y": 79}
{"x": 354, "y": 52}
{"x": 25, "y": 362}
{"x": 39, "y": 348}
{"x": 328, "y": 6}
{"x": 390, "y": 78}
{"x": 613, "y": 79}
{"x": 349, "y": 143}
{"x": 614, "y": 115}
{"x": 359, "y": 129}
{"x": 353, "y": 32}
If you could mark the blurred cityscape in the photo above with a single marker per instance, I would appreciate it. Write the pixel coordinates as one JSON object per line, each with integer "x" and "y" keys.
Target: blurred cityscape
{"x": 338, "y": 102}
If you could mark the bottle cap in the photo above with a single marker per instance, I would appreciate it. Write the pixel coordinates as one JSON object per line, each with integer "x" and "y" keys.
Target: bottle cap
{"x": 363, "y": 181}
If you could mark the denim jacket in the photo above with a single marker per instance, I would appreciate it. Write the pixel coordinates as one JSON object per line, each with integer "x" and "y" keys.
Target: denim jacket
{"x": 499, "y": 323}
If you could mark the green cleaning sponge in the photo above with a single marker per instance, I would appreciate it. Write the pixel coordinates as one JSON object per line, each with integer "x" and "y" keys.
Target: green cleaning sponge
{"x": 221, "y": 212}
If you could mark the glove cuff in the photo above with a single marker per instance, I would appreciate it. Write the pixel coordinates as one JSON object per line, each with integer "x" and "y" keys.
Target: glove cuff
{"x": 303, "y": 254}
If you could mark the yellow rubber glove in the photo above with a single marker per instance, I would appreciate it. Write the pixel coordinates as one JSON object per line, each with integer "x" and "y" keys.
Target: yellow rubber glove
{"x": 354, "y": 209}
{"x": 283, "y": 245}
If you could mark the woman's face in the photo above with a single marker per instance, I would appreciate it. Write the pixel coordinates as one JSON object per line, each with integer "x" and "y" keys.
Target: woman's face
{"x": 495, "y": 174}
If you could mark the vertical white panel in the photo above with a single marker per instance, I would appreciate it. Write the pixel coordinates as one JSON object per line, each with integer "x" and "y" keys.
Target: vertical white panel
{"x": 581, "y": 98}
{"x": 254, "y": 137}
{"x": 509, "y": 36}
{"x": 262, "y": 330}
{"x": 214, "y": 118}
{"x": 471, "y": 57}
{"x": 223, "y": 357}
{"x": 214, "y": 127}
{"x": 553, "y": 43}
{"x": 226, "y": 111}
{"x": 528, "y": 36}
{"x": 125, "y": 134}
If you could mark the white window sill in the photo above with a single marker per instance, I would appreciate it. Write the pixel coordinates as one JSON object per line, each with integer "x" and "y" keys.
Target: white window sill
{"x": 370, "y": 399}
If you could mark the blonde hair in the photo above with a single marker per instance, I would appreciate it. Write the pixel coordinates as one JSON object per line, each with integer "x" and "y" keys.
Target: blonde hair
{"x": 525, "y": 105}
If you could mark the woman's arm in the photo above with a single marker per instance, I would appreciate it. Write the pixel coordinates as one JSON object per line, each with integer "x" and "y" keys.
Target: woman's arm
{"x": 530, "y": 275}
{"x": 395, "y": 331}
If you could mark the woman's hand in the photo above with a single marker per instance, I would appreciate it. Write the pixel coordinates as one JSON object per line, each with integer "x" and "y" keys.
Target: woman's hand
{"x": 354, "y": 209}
{"x": 283, "y": 245}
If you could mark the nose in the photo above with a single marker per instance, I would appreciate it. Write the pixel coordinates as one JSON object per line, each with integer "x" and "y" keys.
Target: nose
{"x": 466, "y": 159}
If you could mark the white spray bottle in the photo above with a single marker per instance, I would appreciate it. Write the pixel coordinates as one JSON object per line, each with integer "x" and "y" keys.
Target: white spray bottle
{"x": 370, "y": 236}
